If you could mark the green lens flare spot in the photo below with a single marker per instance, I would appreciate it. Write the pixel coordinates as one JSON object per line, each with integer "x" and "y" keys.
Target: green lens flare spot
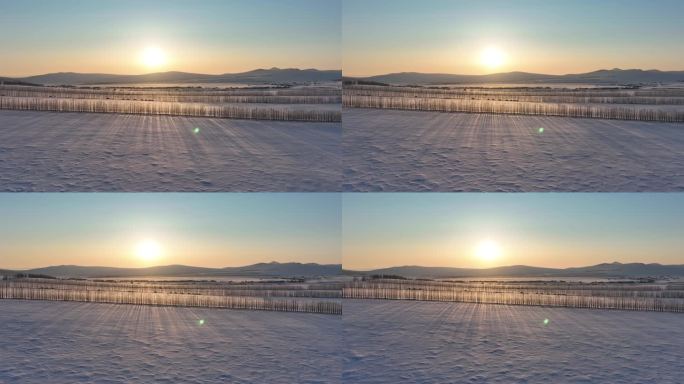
{"x": 541, "y": 130}
{"x": 196, "y": 130}
{"x": 200, "y": 322}
{"x": 546, "y": 321}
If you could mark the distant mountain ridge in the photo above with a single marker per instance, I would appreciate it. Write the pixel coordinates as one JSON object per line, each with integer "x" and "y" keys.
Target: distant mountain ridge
{"x": 257, "y": 76}
{"x": 600, "y": 270}
{"x": 10, "y": 81}
{"x": 275, "y": 269}
{"x": 604, "y": 76}
{"x": 272, "y": 269}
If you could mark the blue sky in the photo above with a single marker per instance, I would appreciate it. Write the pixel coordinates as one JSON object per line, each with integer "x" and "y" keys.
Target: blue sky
{"x": 548, "y": 230}
{"x": 215, "y": 230}
{"x": 207, "y": 36}
{"x": 547, "y": 36}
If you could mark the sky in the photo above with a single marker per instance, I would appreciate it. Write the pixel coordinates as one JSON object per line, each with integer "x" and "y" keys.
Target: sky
{"x": 545, "y": 230}
{"x": 207, "y": 230}
{"x": 539, "y": 36}
{"x": 203, "y": 36}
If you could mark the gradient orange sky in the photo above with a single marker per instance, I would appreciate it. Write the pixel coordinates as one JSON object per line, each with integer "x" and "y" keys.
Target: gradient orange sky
{"x": 536, "y": 229}
{"x": 209, "y": 36}
{"x": 540, "y": 36}
{"x": 198, "y": 229}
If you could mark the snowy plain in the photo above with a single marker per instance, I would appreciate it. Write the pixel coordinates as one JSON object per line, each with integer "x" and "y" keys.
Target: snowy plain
{"x": 68, "y": 342}
{"x": 430, "y": 342}
{"x": 405, "y": 151}
{"x": 82, "y": 152}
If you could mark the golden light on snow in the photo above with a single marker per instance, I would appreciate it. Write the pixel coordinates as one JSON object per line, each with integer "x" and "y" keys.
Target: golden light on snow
{"x": 153, "y": 57}
{"x": 488, "y": 251}
{"x": 148, "y": 251}
{"x": 492, "y": 57}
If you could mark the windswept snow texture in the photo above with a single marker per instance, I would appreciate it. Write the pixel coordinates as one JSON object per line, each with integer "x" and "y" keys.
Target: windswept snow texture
{"x": 431, "y": 342}
{"x": 49, "y": 151}
{"x": 66, "y": 342}
{"x": 386, "y": 150}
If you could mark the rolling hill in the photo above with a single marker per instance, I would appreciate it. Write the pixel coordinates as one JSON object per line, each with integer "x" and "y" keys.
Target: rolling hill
{"x": 272, "y": 269}
{"x": 600, "y": 270}
{"x": 604, "y": 76}
{"x": 257, "y": 76}
{"x": 10, "y": 81}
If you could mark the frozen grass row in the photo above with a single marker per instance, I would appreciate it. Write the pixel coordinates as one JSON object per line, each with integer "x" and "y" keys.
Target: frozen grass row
{"x": 193, "y": 97}
{"x": 515, "y": 96}
{"x": 664, "y": 299}
{"x": 76, "y": 92}
{"x": 236, "y": 111}
{"x": 28, "y": 290}
{"x": 310, "y": 104}
{"x": 607, "y": 111}
{"x": 409, "y": 91}
{"x": 608, "y": 289}
{"x": 267, "y": 289}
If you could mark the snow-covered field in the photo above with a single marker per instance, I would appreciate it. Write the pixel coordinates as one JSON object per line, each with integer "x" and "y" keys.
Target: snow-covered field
{"x": 387, "y": 150}
{"x": 429, "y": 342}
{"x": 66, "y": 342}
{"x": 47, "y": 151}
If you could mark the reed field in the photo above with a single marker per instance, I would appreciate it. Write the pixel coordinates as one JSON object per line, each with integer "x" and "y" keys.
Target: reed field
{"x": 599, "y": 295}
{"x": 319, "y": 95}
{"x": 661, "y": 105}
{"x": 275, "y": 296}
{"x": 306, "y": 104}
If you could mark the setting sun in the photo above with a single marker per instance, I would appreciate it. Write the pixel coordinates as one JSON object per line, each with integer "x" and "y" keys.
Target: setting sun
{"x": 148, "y": 250}
{"x": 492, "y": 57}
{"x": 153, "y": 57}
{"x": 488, "y": 251}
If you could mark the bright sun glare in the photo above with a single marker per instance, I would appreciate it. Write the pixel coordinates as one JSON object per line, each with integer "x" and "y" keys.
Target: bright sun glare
{"x": 488, "y": 251}
{"x": 492, "y": 57}
{"x": 148, "y": 250}
{"x": 153, "y": 57}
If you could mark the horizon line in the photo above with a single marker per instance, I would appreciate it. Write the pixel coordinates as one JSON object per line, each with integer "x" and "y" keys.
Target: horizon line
{"x": 506, "y": 266}
{"x": 349, "y": 269}
{"x": 511, "y": 71}
{"x": 17, "y": 77}
{"x": 159, "y": 266}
